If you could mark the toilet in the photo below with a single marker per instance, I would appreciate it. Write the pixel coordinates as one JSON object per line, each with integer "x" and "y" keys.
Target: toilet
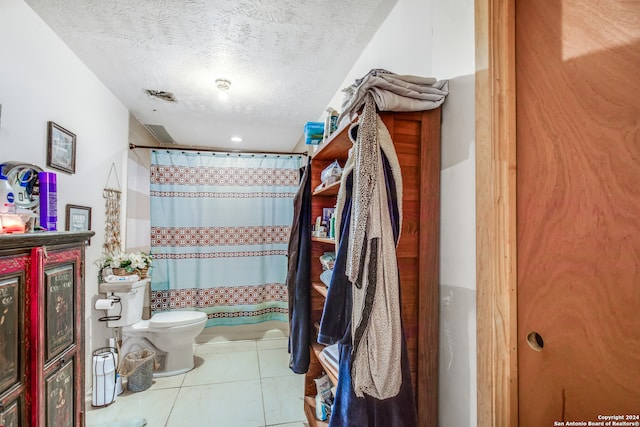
{"x": 170, "y": 334}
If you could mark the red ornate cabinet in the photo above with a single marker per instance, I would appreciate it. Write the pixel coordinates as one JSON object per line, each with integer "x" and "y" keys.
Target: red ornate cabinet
{"x": 42, "y": 329}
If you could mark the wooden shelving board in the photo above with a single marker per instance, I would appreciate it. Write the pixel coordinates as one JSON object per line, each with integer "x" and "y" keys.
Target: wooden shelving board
{"x": 336, "y": 147}
{"x": 331, "y": 372}
{"x": 320, "y": 288}
{"x": 329, "y": 190}
{"x": 324, "y": 240}
{"x": 310, "y": 412}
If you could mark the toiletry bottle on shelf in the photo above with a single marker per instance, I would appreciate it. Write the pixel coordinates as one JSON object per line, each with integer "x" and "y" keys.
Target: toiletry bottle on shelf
{"x": 7, "y": 196}
{"x": 332, "y": 226}
{"x": 330, "y": 124}
{"x": 334, "y": 121}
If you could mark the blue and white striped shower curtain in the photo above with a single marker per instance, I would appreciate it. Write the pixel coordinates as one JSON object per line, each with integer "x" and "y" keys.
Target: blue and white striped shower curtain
{"x": 220, "y": 226}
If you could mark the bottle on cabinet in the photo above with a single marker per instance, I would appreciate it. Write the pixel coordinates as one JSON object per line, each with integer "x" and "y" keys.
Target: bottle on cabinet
{"x": 48, "y": 200}
{"x": 7, "y": 196}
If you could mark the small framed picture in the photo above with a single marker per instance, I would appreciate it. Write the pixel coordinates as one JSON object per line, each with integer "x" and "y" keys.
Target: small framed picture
{"x": 61, "y": 148}
{"x": 78, "y": 218}
{"x": 326, "y": 215}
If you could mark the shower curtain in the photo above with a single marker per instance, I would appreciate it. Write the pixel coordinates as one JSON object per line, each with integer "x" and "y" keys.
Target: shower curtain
{"x": 220, "y": 225}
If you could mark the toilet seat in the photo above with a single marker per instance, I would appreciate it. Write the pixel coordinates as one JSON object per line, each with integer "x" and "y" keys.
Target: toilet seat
{"x": 168, "y": 319}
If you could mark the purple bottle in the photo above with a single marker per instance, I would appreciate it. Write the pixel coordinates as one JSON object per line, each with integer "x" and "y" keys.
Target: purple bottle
{"x": 48, "y": 200}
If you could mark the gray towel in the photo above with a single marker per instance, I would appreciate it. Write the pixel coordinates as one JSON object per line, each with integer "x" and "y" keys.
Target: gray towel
{"x": 394, "y": 92}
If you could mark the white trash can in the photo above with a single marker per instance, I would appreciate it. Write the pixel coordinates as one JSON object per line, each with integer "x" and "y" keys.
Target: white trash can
{"x": 104, "y": 377}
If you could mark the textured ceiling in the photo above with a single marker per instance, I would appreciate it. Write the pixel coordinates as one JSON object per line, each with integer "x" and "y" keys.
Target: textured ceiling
{"x": 285, "y": 59}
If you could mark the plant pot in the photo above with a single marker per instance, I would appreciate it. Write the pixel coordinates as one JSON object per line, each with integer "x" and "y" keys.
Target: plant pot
{"x": 123, "y": 272}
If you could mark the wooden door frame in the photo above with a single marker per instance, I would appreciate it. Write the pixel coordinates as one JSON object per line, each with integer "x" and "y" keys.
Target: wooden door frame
{"x": 496, "y": 274}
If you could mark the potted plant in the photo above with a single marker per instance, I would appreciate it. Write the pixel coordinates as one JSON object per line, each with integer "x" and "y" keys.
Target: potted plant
{"x": 125, "y": 264}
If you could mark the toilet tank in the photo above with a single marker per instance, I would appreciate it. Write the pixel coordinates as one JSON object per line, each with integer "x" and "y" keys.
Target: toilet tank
{"x": 130, "y": 307}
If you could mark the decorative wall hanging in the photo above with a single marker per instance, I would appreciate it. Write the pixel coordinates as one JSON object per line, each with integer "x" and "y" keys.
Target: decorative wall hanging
{"x": 112, "y": 242}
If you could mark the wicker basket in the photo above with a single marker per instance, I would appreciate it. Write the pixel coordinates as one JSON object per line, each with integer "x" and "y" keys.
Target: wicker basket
{"x": 122, "y": 272}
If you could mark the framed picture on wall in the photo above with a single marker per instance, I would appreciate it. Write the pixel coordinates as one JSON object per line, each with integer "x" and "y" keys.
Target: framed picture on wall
{"x": 61, "y": 148}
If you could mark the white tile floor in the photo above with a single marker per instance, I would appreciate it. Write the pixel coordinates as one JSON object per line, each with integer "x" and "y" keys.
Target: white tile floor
{"x": 235, "y": 383}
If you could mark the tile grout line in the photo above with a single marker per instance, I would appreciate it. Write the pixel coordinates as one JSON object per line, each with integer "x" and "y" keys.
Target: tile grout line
{"x": 173, "y": 406}
{"x": 264, "y": 411}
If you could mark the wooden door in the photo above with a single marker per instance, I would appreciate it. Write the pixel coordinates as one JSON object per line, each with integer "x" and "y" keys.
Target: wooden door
{"x": 578, "y": 209}
{"x": 57, "y": 336}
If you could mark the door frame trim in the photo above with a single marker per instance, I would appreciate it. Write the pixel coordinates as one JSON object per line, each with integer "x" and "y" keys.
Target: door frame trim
{"x": 496, "y": 238}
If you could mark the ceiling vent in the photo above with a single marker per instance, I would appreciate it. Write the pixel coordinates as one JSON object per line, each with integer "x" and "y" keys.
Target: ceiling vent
{"x": 160, "y": 133}
{"x": 161, "y": 94}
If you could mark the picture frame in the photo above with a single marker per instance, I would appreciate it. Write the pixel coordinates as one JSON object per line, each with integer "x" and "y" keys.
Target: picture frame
{"x": 78, "y": 218}
{"x": 61, "y": 148}
{"x": 326, "y": 215}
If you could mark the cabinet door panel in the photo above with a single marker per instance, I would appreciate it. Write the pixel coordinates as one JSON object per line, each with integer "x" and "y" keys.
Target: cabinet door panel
{"x": 10, "y": 416}
{"x": 60, "y": 397}
{"x": 60, "y": 308}
{"x": 10, "y": 332}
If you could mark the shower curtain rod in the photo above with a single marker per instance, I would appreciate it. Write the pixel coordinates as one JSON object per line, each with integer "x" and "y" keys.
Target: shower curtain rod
{"x": 152, "y": 147}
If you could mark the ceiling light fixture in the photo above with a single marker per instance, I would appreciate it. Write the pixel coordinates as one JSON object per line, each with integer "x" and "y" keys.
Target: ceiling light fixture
{"x": 236, "y": 139}
{"x": 223, "y": 86}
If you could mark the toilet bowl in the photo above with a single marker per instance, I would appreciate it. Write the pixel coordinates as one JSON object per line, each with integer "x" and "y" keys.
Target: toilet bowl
{"x": 171, "y": 334}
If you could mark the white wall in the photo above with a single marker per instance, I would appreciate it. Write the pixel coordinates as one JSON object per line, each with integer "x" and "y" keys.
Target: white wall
{"x": 436, "y": 39}
{"x": 401, "y": 45}
{"x": 454, "y": 59}
{"x": 42, "y": 80}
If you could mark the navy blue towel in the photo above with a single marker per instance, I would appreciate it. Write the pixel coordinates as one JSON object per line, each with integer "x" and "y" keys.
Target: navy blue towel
{"x": 299, "y": 277}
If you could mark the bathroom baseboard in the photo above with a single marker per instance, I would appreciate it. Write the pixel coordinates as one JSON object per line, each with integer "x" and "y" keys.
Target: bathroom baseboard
{"x": 266, "y": 330}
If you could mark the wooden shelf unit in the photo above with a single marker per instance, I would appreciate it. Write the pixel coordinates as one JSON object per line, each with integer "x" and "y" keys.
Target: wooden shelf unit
{"x": 416, "y": 137}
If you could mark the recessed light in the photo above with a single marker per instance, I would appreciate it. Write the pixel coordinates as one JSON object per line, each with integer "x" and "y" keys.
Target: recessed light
{"x": 236, "y": 139}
